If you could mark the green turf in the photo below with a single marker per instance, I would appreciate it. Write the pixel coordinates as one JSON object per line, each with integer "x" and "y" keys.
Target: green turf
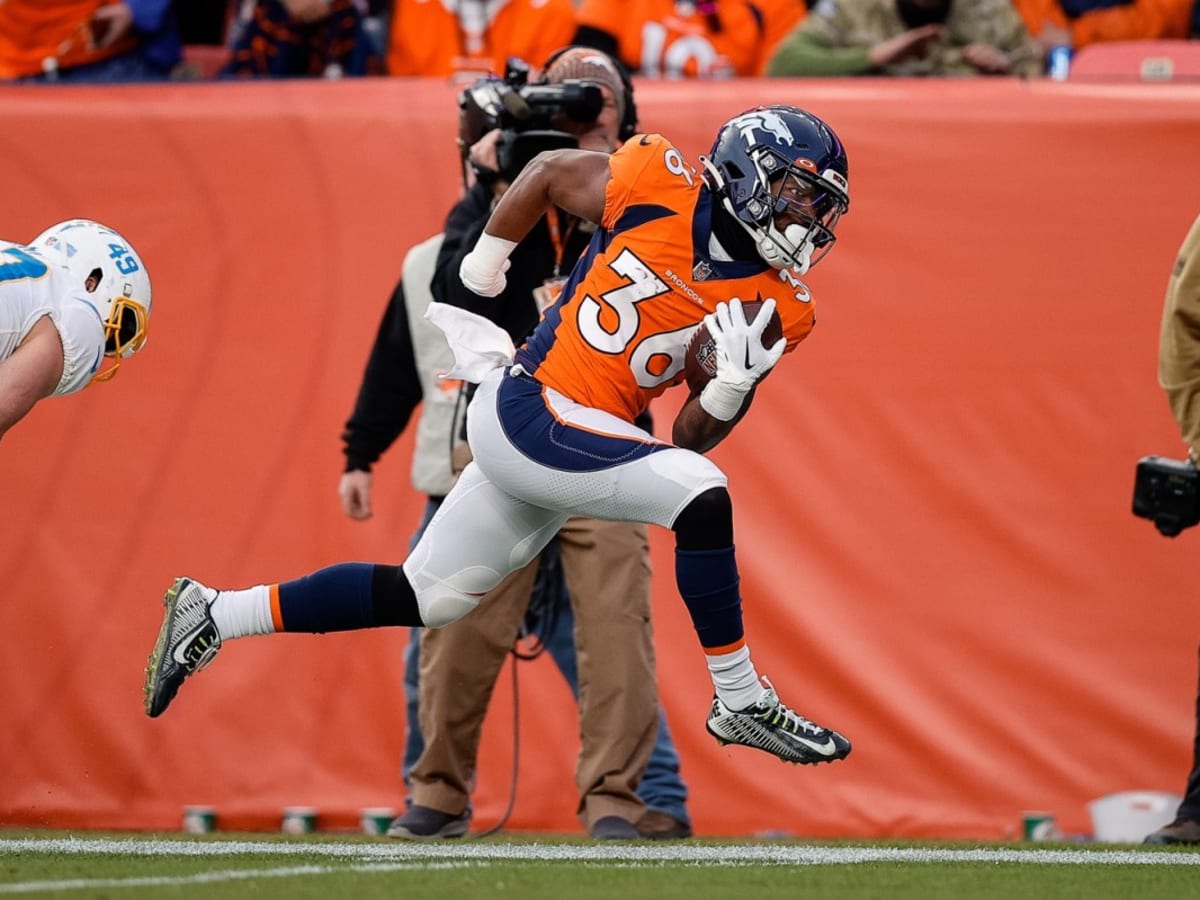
{"x": 133, "y": 866}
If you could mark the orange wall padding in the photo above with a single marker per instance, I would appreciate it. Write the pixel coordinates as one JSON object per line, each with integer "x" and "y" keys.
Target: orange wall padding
{"x": 931, "y": 496}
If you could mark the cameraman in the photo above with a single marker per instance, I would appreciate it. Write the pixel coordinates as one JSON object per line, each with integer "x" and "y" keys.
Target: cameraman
{"x": 1179, "y": 375}
{"x": 606, "y": 563}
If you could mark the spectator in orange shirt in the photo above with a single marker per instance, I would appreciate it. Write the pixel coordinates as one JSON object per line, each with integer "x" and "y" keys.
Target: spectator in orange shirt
{"x": 445, "y": 37}
{"x": 1077, "y": 23}
{"x": 686, "y": 39}
{"x": 88, "y": 40}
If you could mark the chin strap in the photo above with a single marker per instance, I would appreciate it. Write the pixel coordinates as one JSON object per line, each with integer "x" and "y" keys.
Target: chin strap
{"x": 771, "y": 245}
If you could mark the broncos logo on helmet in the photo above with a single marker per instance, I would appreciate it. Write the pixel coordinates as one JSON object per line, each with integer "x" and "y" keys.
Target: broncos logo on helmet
{"x": 782, "y": 174}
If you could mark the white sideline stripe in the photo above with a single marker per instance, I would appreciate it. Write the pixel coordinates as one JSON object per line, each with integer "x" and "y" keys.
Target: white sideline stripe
{"x": 697, "y": 854}
{"x": 75, "y": 884}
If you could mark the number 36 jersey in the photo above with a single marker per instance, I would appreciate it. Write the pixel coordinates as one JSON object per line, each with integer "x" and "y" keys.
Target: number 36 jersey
{"x": 618, "y": 335}
{"x": 31, "y": 288}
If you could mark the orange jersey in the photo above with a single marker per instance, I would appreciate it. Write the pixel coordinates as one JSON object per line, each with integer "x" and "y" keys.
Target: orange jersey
{"x": 34, "y": 31}
{"x": 1138, "y": 20}
{"x": 619, "y": 333}
{"x": 665, "y": 38}
{"x": 439, "y": 37}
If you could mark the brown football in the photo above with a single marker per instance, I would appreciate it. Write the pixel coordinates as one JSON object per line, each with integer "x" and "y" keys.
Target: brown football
{"x": 700, "y": 366}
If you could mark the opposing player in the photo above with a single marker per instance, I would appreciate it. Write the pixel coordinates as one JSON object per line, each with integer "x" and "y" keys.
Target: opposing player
{"x": 78, "y": 294}
{"x": 552, "y": 429}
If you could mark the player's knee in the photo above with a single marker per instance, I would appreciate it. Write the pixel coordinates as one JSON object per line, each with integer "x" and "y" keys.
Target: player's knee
{"x": 442, "y": 605}
{"x": 444, "y": 598}
{"x": 706, "y": 523}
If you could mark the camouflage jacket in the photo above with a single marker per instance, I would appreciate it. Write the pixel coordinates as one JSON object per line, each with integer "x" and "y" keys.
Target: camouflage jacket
{"x": 837, "y": 35}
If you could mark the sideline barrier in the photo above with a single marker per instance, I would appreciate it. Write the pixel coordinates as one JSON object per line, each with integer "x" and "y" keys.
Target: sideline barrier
{"x": 932, "y": 495}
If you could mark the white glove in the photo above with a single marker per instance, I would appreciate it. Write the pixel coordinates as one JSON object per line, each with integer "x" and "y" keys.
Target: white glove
{"x": 482, "y": 270}
{"x": 741, "y": 357}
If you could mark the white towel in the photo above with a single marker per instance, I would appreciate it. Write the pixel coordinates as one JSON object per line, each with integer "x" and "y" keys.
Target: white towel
{"x": 479, "y": 345}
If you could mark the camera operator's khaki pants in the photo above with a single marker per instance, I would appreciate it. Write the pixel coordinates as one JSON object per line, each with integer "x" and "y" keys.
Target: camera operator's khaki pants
{"x": 607, "y": 569}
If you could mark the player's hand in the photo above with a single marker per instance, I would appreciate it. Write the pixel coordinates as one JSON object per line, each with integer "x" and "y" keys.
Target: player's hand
{"x": 355, "y": 491}
{"x": 482, "y": 279}
{"x": 482, "y": 270}
{"x": 741, "y": 357}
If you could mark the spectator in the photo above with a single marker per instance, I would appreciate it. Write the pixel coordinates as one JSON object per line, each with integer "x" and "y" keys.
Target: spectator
{"x": 606, "y": 563}
{"x": 684, "y": 39}
{"x": 302, "y": 39}
{"x": 1179, "y": 375}
{"x": 446, "y": 37}
{"x": 908, "y": 38}
{"x": 1077, "y": 23}
{"x": 88, "y": 40}
{"x": 76, "y": 295}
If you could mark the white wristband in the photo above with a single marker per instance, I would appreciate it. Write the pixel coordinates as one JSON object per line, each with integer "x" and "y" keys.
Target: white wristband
{"x": 491, "y": 252}
{"x": 722, "y": 400}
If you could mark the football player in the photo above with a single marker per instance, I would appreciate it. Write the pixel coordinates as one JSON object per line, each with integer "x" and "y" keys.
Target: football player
{"x": 74, "y": 297}
{"x": 552, "y": 428}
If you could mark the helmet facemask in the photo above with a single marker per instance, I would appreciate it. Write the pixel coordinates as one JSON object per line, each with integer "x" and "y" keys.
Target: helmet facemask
{"x": 124, "y": 333}
{"x": 793, "y": 194}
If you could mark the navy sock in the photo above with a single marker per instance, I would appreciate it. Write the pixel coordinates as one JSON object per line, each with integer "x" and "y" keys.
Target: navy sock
{"x": 708, "y": 582}
{"x": 348, "y": 597}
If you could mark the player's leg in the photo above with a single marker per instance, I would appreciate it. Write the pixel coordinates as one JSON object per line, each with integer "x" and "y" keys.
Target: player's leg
{"x": 746, "y": 710}
{"x": 597, "y": 465}
{"x": 607, "y": 568}
{"x": 478, "y": 536}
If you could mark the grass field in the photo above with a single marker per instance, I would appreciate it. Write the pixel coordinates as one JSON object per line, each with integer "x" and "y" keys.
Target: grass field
{"x": 78, "y": 866}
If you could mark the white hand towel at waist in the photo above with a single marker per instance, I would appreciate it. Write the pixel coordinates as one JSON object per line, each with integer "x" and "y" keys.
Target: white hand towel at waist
{"x": 479, "y": 345}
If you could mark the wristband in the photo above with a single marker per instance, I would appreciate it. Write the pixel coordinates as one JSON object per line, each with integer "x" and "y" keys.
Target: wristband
{"x": 491, "y": 253}
{"x": 722, "y": 400}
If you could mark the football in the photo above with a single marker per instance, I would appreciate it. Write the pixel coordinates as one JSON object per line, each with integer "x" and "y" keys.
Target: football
{"x": 700, "y": 365}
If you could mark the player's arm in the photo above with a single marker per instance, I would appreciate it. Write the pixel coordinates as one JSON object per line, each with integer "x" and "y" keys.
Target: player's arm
{"x": 573, "y": 180}
{"x": 31, "y": 373}
{"x": 695, "y": 429}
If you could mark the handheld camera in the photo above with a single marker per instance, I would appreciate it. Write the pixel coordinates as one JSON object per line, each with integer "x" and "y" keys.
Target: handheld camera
{"x": 525, "y": 113}
{"x": 1167, "y": 492}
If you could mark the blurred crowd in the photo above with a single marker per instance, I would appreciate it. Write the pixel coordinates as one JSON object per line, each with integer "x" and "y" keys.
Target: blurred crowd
{"x": 157, "y": 40}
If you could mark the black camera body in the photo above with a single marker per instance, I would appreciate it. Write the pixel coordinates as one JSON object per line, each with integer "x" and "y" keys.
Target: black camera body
{"x": 1167, "y": 492}
{"x": 525, "y": 114}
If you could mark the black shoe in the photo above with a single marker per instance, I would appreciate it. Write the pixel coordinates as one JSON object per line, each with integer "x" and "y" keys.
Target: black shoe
{"x": 187, "y": 642}
{"x": 1181, "y": 831}
{"x": 613, "y": 828}
{"x": 661, "y": 826}
{"x": 769, "y": 725}
{"x": 424, "y": 823}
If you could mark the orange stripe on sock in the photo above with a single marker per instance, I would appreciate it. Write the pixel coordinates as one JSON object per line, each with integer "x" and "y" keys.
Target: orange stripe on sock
{"x": 276, "y": 614}
{"x": 728, "y": 648}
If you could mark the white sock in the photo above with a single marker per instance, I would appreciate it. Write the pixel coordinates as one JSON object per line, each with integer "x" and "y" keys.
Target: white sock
{"x": 735, "y": 678}
{"x": 241, "y": 613}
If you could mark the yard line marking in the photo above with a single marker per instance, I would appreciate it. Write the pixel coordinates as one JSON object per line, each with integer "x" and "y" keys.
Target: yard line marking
{"x": 696, "y": 854}
{"x": 74, "y": 884}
